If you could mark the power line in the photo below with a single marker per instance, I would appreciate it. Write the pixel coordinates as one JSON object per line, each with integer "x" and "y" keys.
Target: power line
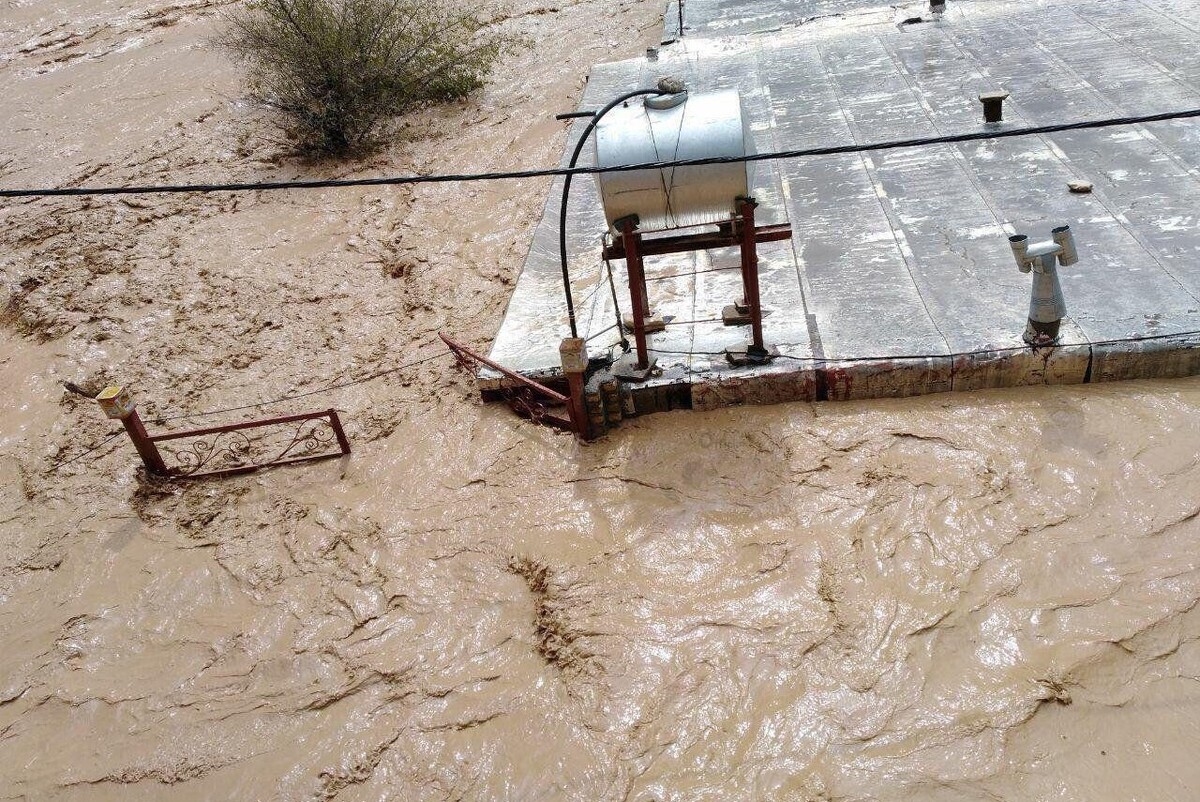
{"x": 693, "y": 273}
{"x": 572, "y": 171}
{"x": 93, "y": 449}
{"x": 330, "y": 388}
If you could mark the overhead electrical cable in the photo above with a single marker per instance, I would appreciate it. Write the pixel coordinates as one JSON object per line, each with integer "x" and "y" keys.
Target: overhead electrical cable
{"x": 91, "y": 450}
{"x": 340, "y": 183}
{"x": 339, "y": 386}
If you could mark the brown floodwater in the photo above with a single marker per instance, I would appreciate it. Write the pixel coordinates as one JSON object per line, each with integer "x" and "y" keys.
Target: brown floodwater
{"x": 957, "y": 597}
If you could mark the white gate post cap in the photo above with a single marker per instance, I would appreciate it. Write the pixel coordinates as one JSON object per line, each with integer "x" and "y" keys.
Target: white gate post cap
{"x": 116, "y": 402}
{"x": 573, "y": 353}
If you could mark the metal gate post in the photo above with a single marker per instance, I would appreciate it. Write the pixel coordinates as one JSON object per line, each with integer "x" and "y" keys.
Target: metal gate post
{"x": 572, "y": 351}
{"x": 118, "y": 405}
{"x": 335, "y": 423}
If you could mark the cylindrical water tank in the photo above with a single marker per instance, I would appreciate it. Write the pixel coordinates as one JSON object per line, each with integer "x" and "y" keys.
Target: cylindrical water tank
{"x": 670, "y": 128}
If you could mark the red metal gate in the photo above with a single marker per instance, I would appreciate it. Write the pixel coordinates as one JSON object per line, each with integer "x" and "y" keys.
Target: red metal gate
{"x": 231, "y": 449}
{"x": 528, "y": 398}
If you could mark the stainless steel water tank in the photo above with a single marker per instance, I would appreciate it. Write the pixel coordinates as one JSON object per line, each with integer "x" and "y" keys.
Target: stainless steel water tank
{"x": 669, "y": 128}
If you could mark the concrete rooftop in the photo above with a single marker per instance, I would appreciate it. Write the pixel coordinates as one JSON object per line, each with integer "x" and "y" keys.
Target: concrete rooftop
{"x": 899, "y": 279}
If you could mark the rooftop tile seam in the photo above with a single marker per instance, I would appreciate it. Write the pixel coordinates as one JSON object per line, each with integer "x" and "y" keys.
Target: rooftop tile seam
{"x": 1124, "y": 44}
{"x": 887, "y": 12}
{"x": 785, "y": 194}
{"x": 957, "y": 151}
{"x": 786, "y": 197}
{"x": 1108, "y": 202}
{"x": 879, "y": 9}
{"x": 1181, "y": 163}
{"x": 1172, "y": 20}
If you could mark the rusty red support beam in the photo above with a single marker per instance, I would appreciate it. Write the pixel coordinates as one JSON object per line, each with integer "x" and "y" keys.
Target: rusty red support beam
{"x": 573, "y": 356}
{"x": 631, "y": 243}
{"x": 740, "y": 227}
{"x": 144, "y": 444}
{"x": 578, "y": 409}
{"x": 749, "y": 244}
{"x": 336, "y": 424}
{"x": 682, "y": 243}
{"x": 574, "y": 423}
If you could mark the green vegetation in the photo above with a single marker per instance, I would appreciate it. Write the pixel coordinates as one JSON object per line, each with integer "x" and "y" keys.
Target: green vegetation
{"x": 336, "y": 69}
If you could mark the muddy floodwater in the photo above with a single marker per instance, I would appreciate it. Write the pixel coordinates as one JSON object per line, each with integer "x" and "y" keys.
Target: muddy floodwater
{"x": 959, "y": 597}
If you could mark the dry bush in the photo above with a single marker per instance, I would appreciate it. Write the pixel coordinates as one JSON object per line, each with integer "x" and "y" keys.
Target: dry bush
{"x": 336, "y": 69}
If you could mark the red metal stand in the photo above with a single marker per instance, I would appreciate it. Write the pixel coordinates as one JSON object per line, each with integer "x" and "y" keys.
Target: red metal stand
{"x": 741, "y": 232}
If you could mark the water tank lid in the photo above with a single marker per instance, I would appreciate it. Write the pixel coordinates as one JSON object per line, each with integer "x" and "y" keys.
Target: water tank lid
{"x": 660, "y": 102}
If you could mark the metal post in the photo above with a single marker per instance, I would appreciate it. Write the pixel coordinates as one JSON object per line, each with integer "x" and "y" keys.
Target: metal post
{"x": 750, "y": 272}
{"x": 993, "y": 105}
{"x": 639, "y": 306}
{"x": 117, "y": 404}
{"x": 572, "y": 351}
{"x": 335, "y": 423}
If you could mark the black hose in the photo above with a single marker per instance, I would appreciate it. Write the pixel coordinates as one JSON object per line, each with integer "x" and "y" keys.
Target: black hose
{"x": 562, "y": 215}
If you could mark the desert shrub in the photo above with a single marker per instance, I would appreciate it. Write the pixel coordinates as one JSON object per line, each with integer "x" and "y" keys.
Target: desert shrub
{"x": 336, "y": 69}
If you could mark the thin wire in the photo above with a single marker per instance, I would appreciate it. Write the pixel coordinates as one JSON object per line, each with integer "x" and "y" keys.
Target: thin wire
{"x": 833, "y": 360}
{"x": 94, "y": 448}
{"x": 330, "y": 388}
{"x": 693, "y": 273}
{"x": 601, "y": 332}
{"x": 913, "y": 357}
{"x": 612, "y": 285}
{"x": 599, "y": 286}
{"x": 658, "y": 157}
{"x": 689, "y": 322}
{"x": 380, "y": 374}
{"x": 975, "y": 136}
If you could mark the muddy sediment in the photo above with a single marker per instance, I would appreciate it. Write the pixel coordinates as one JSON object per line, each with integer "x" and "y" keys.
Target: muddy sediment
{"x": 977, "y": 596}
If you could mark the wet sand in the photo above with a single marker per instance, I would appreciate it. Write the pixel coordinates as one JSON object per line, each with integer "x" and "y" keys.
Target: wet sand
{"x": 979, "y": 596}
